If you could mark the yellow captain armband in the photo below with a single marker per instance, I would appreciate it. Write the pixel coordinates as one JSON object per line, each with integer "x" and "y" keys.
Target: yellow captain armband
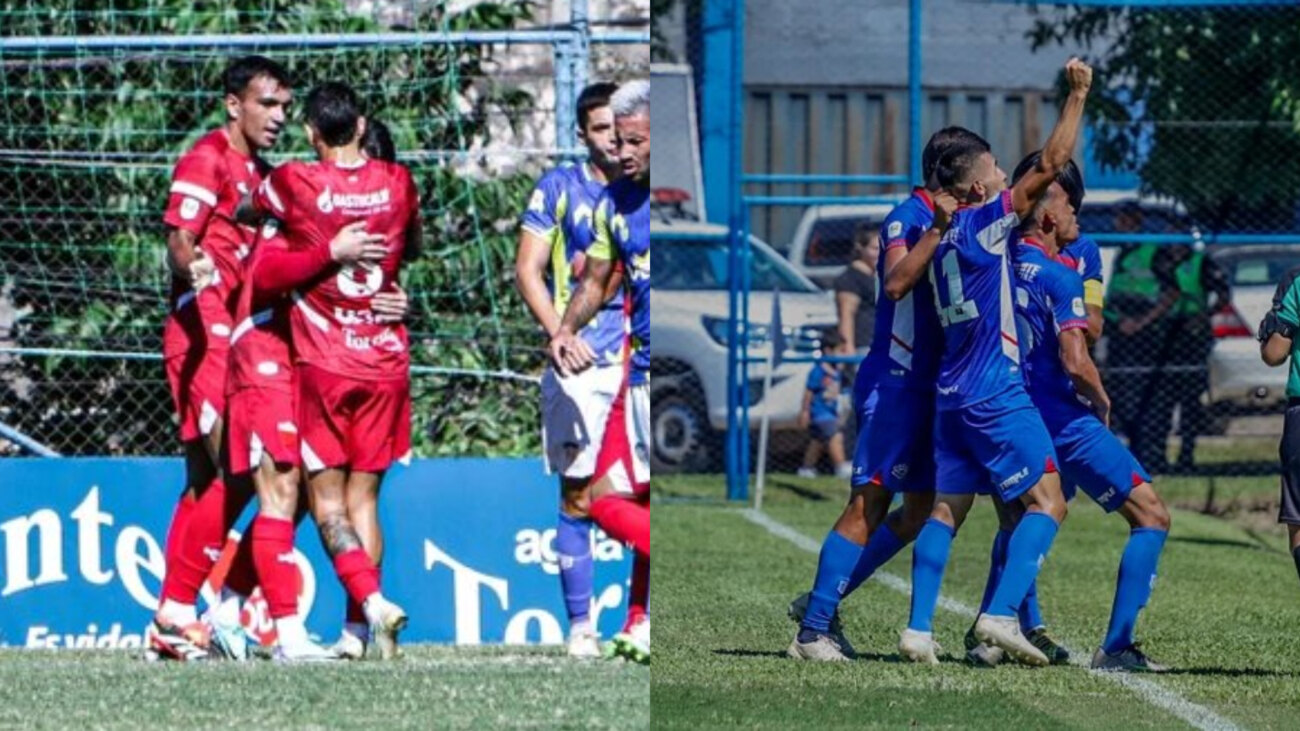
{"x": 1093, "y": 292}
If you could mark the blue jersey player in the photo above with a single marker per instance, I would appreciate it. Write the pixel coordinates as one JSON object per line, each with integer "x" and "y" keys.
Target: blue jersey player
{"x": 1081, "y": 253}
{"x": 620, "y": 490}
{"x": 556, "y": 232}
{"x": 1086, "y": 258}
{"x": 893, "y": 398}
{"x": 1065, "y": 386}
{"x": 989, "y": 437}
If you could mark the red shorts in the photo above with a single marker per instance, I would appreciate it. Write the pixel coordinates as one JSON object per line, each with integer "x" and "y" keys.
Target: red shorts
{"x": 345, "y": 422}
{"x": 624, "y": 456}
{"x": 261, "y": 421}
{"x": 196, "y": 369}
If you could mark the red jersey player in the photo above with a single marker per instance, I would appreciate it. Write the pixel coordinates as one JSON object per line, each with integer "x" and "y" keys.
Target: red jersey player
{"x": 352, "y": 368}
{"x": 205, "y": 246}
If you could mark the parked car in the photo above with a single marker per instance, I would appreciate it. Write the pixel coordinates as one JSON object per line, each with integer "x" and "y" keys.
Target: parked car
{"x": 823, "y": 242}
{"x": 1239, "y": 380}
{"x": 689, "y": 329}
{"x": 1238, "y": 377}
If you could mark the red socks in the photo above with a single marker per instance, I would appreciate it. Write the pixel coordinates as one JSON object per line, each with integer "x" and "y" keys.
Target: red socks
{"x": 241, "y": 578}
{"x": 358, "y": 573}
{"x": 213, "y": 516}
{"x": 180, "y": 521}
{"x": 624, "y": 520}
{"x": 272, "y": 550}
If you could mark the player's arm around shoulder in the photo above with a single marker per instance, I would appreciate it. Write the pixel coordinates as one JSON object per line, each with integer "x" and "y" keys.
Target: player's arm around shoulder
{"x": 1278, "y": 328}
{"x": 906, "y": 263}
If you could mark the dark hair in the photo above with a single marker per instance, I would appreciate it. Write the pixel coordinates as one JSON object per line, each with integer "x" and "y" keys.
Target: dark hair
{"x": 942, "y": 141}
{"x": 333, "y": 110}
{"x": 377, "y": 142}
{"x": 956, "y": 165}
{"x": 241, "y": 72}
{"x": 594, "y": 96}
{"x": 1070, "y": 179}
{"x": 831, "y": 338}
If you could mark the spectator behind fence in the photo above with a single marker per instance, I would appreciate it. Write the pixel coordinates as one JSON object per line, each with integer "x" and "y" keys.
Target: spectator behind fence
{"x": 855, "y": 292}
{"x": 1138, "y": 299}
{"x": 1278, "y": 345}
{"x": 820, "y": 414}
{"x": 1183, "y": 361}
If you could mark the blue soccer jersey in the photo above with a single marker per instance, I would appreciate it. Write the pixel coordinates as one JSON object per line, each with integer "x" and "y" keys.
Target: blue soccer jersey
{"x": 1084, "y": 256}
{"x": 971, "y": 277}
{"x": 1049, "y": 301}
{"x": 562, "y": 211}
{"x": 907, "y": 340}
{"x": 623, "y": 231}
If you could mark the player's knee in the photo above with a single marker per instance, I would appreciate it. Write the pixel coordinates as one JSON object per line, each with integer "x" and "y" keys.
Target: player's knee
{"x": 575, "y": 496}
{"x": 1149, "y": 511}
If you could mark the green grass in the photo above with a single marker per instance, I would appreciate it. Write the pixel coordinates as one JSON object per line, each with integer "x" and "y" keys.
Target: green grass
{"x": 432, "y": 687}
{"x": 1222, "y": 614}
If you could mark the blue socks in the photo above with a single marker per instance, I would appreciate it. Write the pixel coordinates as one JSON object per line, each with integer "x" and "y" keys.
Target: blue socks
{"x": 1026, "y": 551}
{"x": 1031, "y": 616}
{"x": 835, "y": 564}
{"x": 883, "y": 545}
{"x": 929, "y": 559}
{"x": 573, "y": 552}
{"x": 997, "y": 562}
{"x": 1137, "y": 574}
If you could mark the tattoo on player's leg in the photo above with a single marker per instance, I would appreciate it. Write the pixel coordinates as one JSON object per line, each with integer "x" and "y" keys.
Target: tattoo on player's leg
{"x": 338, "y": 535}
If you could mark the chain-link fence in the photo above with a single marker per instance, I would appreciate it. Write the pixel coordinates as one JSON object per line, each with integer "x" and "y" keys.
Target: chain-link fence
{"x": 1189, "y": 160}
{"x": 97, "y": 105}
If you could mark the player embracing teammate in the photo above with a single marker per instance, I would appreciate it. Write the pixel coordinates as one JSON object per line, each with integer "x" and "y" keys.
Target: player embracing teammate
{"x": 352, "y": 365}
{"x": 240, "y": 295}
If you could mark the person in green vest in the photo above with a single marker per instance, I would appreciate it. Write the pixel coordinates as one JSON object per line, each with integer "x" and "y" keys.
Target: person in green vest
{"x": 1139, "y": 297}
{"x": 1182, "y": 362}
{"x": 1277, "y": 345}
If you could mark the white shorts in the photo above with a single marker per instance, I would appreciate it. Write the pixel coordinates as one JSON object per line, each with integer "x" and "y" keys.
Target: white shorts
{"x": 574, "y": 411}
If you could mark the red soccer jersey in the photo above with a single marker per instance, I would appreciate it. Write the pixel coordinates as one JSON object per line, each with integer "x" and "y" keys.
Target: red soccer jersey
{"x": 207, "y": 186}
{"x": 332, "y": 323}
{"x": 259, "y": 346}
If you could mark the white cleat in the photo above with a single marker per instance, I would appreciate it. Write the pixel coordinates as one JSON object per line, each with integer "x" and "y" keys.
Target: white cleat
{"x": 229, "y": 642}
{"x": 390, "y": 620}
{"x": 1005, "y": 632}
{"x": 919, "y": 647}
{"x": 823, "y": 648}
{"x": 584, "y": 644}
{"x": 799, "y": 608}
{"x": 349, "y": 647}
{"x": 303, "y": 652}
{"x": 634, "y": 644}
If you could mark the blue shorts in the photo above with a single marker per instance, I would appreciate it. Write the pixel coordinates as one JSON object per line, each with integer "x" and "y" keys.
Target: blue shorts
{"x": 895, "y": 439}
{"x": 1095, "y": 461}
{"x": 992, "y": 448}
{"x": 824, "y": 430}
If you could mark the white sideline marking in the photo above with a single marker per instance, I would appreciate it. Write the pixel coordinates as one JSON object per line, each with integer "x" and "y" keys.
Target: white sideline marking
{"x": 1195, "y": 715}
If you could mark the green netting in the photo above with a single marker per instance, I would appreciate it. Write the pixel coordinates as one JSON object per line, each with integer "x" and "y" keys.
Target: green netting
{"x": 87, "y": 142}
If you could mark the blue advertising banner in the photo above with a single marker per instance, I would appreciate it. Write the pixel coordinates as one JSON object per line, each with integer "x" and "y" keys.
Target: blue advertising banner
{"x": 469, "y": 553}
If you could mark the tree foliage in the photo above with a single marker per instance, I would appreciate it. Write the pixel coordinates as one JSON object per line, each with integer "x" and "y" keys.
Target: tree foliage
{"x": 1204, "y": 104}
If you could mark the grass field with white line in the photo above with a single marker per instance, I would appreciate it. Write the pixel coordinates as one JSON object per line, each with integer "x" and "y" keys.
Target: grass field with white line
{"x": 431, "y": 687}
{"x": 1224, "y": 614}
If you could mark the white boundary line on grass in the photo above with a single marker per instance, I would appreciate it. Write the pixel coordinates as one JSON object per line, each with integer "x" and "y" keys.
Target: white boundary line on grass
{"x": 1195, "y": 715}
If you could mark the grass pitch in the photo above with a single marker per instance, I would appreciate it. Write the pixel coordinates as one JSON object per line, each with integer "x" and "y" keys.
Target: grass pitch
{"x": 432, "y": 687}
{"x": 1223, "y": 614}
